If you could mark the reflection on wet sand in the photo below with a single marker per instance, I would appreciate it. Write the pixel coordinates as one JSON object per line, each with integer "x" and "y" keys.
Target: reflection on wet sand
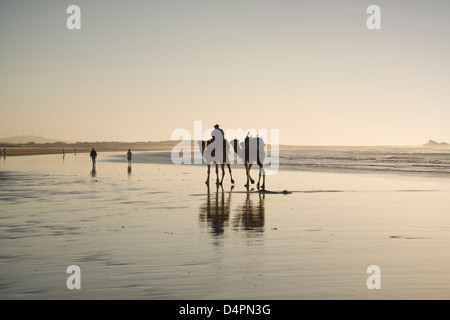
{"x": 216, "y": 210}
{"x": 93, "y": 171}
{"x": 248, "y": 217}
{"x": 129, "y": 168}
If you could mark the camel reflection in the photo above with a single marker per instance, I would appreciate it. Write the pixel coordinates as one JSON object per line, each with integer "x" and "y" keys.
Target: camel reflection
{"x": 216, "y": 211}
{"x": 249, "y": 217}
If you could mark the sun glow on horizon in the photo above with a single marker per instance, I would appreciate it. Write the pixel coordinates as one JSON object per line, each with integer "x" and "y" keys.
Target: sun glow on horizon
{"x": 137, "y": 71}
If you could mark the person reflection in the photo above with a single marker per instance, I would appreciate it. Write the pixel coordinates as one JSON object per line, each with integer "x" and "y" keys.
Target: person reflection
{"x": 216, "y": 210}
{"x": 129, "y": 169}
{"x": 93, "y": 171}
{"x": 250, "y": 216}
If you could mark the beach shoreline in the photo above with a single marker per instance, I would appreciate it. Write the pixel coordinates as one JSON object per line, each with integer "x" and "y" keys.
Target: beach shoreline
{"x": 84, "y": 147}
{"x": 30, "y": 149}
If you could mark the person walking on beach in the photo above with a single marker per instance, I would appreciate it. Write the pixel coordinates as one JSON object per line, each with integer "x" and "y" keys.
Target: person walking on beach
{"x": 129, "y": 154}
{"x": 93, "y": 155}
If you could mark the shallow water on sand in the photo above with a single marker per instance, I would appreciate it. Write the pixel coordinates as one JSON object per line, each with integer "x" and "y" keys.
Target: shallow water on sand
{"x": 153, "y": 231}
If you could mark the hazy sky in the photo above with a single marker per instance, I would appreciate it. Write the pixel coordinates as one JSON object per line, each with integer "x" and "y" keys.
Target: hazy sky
{"x": 138, "y": 70}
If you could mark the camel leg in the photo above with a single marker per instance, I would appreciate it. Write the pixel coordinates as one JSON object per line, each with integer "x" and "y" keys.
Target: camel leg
{"x": 249, "y": 167}
{"x": 264, "y": 182}
{"x": 229, "y": 169}
{"x": 223, "y": 172}
{"x": 247, "y": 174}
{"x": 217, "y": 173}
{"x": 261, "y": 169}
{"x": 209, "y": 171}
{"x": 259, "y": 178}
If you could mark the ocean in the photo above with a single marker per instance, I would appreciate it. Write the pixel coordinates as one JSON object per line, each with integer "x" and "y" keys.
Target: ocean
{"x": 369, "y": 159}
{"x": 412, "y": 160}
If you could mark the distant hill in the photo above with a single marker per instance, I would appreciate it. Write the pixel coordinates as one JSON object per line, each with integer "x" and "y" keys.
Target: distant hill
{"x": 432, "y": 143}
{"x": 26, "y": 139}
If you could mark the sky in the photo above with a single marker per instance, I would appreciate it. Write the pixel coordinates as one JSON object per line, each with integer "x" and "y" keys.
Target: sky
{"x": 139, "y": 70}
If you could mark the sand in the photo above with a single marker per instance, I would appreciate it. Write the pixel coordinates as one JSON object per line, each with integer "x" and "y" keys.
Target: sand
{"x": 152, "y": 231}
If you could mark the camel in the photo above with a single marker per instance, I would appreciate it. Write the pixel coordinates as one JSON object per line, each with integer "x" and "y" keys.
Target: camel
{"x": 252, "y": 150}
{"x": 203, "y": 147}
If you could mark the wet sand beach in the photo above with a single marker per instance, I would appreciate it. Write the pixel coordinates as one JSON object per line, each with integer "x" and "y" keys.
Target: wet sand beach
{"x": 156, "y": 231}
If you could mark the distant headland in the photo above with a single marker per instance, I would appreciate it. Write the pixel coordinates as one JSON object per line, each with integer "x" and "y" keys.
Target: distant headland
{"x": 432, "y": 143}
